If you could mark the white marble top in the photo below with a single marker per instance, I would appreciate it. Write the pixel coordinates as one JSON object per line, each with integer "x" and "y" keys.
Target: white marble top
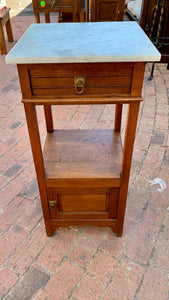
{"x": 83, "y": 42}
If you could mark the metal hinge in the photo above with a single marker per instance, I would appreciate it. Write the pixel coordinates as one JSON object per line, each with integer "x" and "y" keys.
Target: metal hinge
{"x": 53, "y": 204}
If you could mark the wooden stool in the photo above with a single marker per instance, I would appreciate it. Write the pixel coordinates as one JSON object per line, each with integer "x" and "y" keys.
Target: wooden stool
{"x": 5, "y": 20}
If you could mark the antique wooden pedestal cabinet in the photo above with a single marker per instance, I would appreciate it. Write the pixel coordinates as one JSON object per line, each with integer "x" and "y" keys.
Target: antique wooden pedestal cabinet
{"x": 83, "y": 175}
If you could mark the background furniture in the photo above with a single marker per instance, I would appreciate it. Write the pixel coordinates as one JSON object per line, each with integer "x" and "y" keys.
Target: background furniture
{"x": 107, "y": 10}
{"x": 148, "y": 10}
{"x": 83, "y": 175}
{"x": 5, "y": 20}
{"x": 143, "y": 12}
{"x": 74, "y": 9}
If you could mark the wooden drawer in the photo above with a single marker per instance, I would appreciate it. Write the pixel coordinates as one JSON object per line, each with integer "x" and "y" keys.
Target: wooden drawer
{"x": 83, "y": 203}
{"x": 100, "y": 79}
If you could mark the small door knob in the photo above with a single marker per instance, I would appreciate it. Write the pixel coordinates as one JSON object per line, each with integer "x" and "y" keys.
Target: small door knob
{"x": 53, "y": 204}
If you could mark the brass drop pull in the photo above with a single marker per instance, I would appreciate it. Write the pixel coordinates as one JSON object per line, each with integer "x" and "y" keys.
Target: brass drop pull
{"x": 53, "y": 3}
{"x": 79, "y": 83}
{"x": 53, "y": 204}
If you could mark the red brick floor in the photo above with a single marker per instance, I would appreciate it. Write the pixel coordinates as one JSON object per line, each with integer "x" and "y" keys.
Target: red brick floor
{"x": 84, "y": 262}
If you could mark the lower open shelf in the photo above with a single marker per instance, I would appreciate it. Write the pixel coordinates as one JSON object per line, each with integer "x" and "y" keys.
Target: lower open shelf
{"x": 83, "y": 158}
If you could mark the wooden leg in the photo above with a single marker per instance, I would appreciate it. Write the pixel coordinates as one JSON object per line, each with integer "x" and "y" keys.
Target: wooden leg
{"x": 87, "y": 11}
{"x": 75, "y": 11}
{"x": 118, "y": 116}
{"x": 131, "y": 125}
{"x": 47, "y": 18}
{"x": 2, "y": 41}
{"x": 48, "y": 118}
{"x": 9, "y": 30}
{"x": 32, "y": 124}
{"x": 37, "y": 18}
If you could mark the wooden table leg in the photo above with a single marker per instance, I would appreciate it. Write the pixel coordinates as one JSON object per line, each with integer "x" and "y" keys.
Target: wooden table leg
{"x": 9, "y": 29}
{"x": 48, "y": 118}
{"x": 32, "y": 124}
{"x": 2, "y": 40}
{"x": 130, "y": 131}
{"x": 118, "y": 116}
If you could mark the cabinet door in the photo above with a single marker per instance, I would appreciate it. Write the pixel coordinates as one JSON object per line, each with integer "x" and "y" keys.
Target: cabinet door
{"x": 107, "y": 10}
{"x": 83, "y": 203}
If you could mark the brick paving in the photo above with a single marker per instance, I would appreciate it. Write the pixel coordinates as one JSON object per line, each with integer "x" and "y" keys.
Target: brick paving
{"x": 83, "y": 262}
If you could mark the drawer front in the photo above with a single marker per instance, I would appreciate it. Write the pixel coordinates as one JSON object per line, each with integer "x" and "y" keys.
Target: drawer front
{"x": 99, "y": 79}
{"x": 82, "y": 203}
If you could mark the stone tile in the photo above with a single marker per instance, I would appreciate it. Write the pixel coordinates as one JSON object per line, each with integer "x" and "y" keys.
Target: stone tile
{"x": 76, "y": 120}
{"x": 138, "y": 155}
{"x": 3, "y": 181}
{"x": 142, "y": 141}
{"x": 146, "y": 125}
{"x": 108, "y": 113}
{"x": 11, "y": 241}
{"x": 161, "y": 122}
{"x": 20, "y": 148}
{"x": 32, "y": 215}
{"x": 159, "y": 137}
{"x": 13, "y": 171}
{"x": 125, "y": 282}
{"x": 163, "y": 174}
{"x": 7, "y": 280}
{"x": 148, "y": 172}
{"x": 86, "y": 245}
{"x": 161, "y": 253}
{"x": 157, "y": 207}
{"x": 28, "y": 251}
{"x": 136, "y": 203}
{"x": 102, "y": 266}
{"x": 162, "y": 98}
{"x": 98, "y": 275}
{"x": 142, "y": 242}
{"x": 31, "y": 191}
{"x": 13, "y": 212}
{"x": 94, "y": 114}
{"x": 62, "y": 283}
{"x": 31, "y": 282}
{"x": 90, "y": 288}
{"x": 57, "y": 248}
{"x": 116, "y": 246}
{"x": 155, "y": 285}
{"x": 84, "y": 108}
{"x": 7, "y": 145}
{"x": 166, "y": 219}
{"x": 166, "y": 158}
{"x": 155, "y": 155}
{"x": 11, "y": 191}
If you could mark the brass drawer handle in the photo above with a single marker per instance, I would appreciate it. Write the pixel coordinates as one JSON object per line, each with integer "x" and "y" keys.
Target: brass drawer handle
{"x": 79, "y": 83}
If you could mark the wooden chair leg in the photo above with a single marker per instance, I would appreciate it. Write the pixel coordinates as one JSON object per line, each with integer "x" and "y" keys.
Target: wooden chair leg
{"x": 2, "y": 41}
{"x": 37, "y": 18}
{"x": 47, "y": 18}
